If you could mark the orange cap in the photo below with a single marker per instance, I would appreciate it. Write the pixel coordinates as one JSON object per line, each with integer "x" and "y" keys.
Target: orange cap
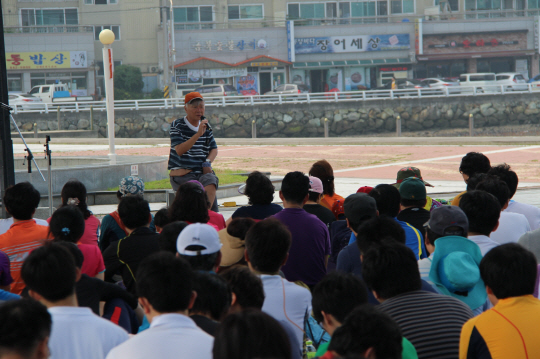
{"x": 192, "y": 96}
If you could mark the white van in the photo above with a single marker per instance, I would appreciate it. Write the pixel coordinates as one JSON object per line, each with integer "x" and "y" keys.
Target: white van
{"x": 484, "y": 82}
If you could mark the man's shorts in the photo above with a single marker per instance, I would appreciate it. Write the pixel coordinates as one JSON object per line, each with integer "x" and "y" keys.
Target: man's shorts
{"x": 206, "y": 179}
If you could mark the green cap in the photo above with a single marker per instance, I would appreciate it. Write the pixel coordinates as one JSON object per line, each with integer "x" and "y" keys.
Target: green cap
{"x": 412, "y": 188}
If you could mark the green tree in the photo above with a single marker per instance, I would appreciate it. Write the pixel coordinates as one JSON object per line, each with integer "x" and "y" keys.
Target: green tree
{"x": 128, "y": 83}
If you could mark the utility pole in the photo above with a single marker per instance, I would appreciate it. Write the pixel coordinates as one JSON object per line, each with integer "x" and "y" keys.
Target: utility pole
{"x": 7, "y": 167}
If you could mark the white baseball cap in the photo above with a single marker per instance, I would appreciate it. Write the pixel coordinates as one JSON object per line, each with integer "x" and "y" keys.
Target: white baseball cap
{"x": 198, "y": 234}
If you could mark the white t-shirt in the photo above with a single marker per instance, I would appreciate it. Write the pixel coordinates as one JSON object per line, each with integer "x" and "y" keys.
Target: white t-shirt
{"x": 297, "y": 302}
{"x": 6, "y": 223}
{"x": 531, "y": 212}
{"x": 511, "y": 227}
{"x": 169, "y": 336}
{"x": 484, "y": 242}
{"x": 424, "y": 265}
{"x": 77, "y": 333}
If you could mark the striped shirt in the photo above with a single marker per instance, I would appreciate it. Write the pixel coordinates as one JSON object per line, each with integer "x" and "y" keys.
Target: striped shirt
{"x": 21, "y": 238}
{"x": 432, "y": 322}
{"x": 181, "y": 131}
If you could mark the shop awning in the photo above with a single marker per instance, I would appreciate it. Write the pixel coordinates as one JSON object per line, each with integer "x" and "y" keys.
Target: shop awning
{"x": 208, "y": 63}
{"x": 474, "y": 55}
{"x": 301, "y": 65}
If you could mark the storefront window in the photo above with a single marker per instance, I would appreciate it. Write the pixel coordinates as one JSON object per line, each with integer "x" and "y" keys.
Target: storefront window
{"x": 14, "y": 82}
{"x": 278, "y": 78}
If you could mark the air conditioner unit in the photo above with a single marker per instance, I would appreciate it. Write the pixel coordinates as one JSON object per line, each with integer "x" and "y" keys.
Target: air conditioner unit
{"x": 153, "y": 69}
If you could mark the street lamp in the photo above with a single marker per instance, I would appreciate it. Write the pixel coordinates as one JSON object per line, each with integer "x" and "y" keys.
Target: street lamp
{"x": 107, "y": 38}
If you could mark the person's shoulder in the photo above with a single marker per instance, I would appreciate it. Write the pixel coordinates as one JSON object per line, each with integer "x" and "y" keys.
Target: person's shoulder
{"x": 298, "y": 291}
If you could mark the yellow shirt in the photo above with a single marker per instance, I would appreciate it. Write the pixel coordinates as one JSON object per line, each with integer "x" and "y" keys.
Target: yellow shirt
{"x": 508, "y": 330}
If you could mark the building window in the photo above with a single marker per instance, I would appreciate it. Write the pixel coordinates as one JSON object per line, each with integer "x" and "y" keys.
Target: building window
{"x": 533, "y": 4}
{"x": 483, "y": 4}
{"x": 193, "y": 14}
{"x": 115, "y": 29}
{"x": 44, "y": 17}
{"x": 359, "y": 9}
{"x": 348, "y": 9}
{"x": 100, "y": 2}
{"x": 306, "y": 11}
{"x": 245, "y": 12}
{"x": 454, "y": 4}
{"x": 402, "y": 6}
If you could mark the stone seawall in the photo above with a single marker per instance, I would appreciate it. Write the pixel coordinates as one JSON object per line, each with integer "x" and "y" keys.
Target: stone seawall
{"x": 346, "y": 118}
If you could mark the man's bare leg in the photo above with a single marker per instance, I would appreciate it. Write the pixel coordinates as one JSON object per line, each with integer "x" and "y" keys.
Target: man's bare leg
{"x": 211, "y": 193}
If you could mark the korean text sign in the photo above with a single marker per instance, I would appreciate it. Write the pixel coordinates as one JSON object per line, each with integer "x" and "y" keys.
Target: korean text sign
{"x": 46, "y": 60}
{"x": 356, "y": 43}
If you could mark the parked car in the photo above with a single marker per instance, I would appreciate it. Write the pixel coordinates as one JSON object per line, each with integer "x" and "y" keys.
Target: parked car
{"x": 404, "y": 84}
{"x": 512, "y": 81}
{"x": 484, "y": 81}
{"x": 436, "y": 83}
{"x": 27, "y": 102}
{"x": 535, "y": 83}
{"x": 534, "y": 79}
{"x": 292, "y": 89}
{"x": 217, "y": 90}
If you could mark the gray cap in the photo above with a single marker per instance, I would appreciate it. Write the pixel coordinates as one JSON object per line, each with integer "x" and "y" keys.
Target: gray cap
{"x": 358, "y": 206}
{"x": 444, "y": 218}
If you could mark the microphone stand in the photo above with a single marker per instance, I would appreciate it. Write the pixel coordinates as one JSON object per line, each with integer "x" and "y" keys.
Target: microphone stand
{"x": 49, "y": 172}
{"x": 29, "y": 157}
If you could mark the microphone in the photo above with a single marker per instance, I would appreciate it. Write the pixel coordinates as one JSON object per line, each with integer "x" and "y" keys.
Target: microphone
{"x": 208, "y": 127}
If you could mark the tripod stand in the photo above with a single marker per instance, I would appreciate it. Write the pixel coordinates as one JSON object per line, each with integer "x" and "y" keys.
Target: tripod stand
{"x": 30, "y": 156}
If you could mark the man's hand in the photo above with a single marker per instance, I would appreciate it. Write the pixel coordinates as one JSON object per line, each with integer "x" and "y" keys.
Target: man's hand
{"x": 202, "y": 127}
{"x": 206, "y": 170}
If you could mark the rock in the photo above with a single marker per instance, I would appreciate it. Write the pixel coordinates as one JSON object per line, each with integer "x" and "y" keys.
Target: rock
{"x": 405, "y": 115}
{"x": 459, "y": 123}
{"x": 52, "y": 125}
{"x": 299, "y": 115}
{"x": 449, "y": 114}
{"x": 236, "y": 132}
{"x": 428, "y": 123}
{"x": 84, "y": 124}
{"x": 165, "y": 127}
{"x": 140, "y": 134}
{"x": 384, "y": 115}
{"x": 531, "y": 112}
{"x": 531, "y": 106}
{"x": 353, "y": 116}
{"x": 338, "y": 118}
{"x": 119, "y": 121}
{"x": 293, "y": 129}
{"x": 153, "y": 126}
{"x": 423, "y": 114}
{"x": 288, "y": 118}
{"x": 278, "y": 116}
{"x": 378, "y": 123}
{"x": 389, "y": 111}
{"x": 518, "y": 109}
{"x": 315, "y": 122}
{"x": 487, "y": 111}
{"x": 485, "y": 106}
{"x": 170, "y": 119}
{"x": 72, "y": 128}
{"x": 228, "y": 123}
{"x": 268, "y": 129}
{"x": 329, "y": 115}
{"x": 280, "y": 125}
{"x": 240, "y": 121}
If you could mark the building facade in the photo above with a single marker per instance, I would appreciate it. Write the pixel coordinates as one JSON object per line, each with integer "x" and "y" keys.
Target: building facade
{"x": 258, "y": 46}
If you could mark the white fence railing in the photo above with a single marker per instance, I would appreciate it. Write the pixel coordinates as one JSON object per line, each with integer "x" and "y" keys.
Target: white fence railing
{"x": 278, "y": 99}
